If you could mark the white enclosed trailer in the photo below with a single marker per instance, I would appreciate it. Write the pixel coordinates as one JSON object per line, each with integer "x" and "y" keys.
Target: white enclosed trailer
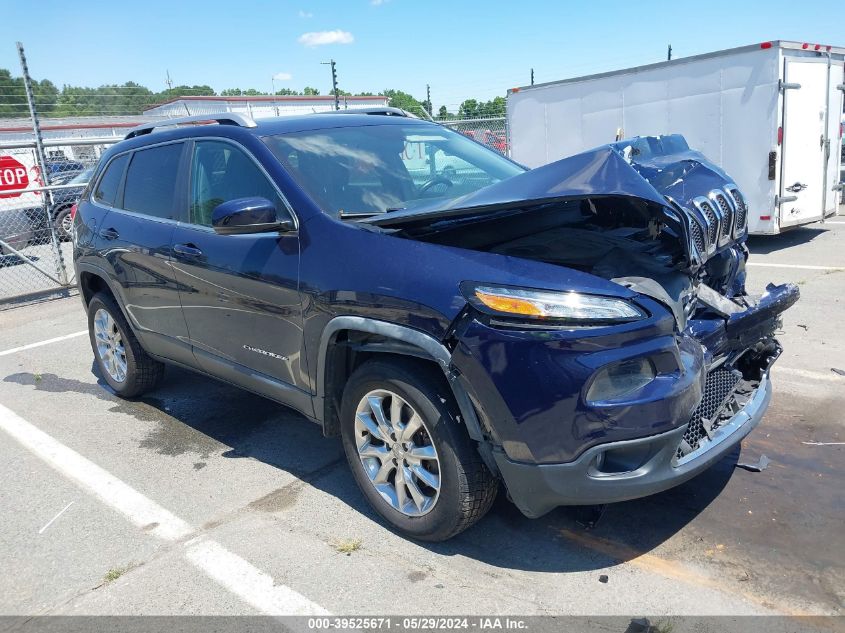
{"x": 768, "y": 114}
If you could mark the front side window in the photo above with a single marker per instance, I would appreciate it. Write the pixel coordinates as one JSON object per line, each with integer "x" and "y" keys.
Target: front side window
{"x": 107, "y": 187}
{"x": 151, "y": 181}
{"x": 377, "y": 168}
{"x": 221, "y": 172}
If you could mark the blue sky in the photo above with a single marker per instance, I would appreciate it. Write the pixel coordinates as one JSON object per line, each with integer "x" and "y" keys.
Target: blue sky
{"x": 463, "y": 49}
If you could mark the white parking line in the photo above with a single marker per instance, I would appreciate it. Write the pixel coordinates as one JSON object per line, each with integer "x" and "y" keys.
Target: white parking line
{"x": 140, "y": 510}
{"x": 796, "y": 266}
{"x": 245, "y": 581}
{"x": 229, "y": 570}
{"x": 14, "y": 350}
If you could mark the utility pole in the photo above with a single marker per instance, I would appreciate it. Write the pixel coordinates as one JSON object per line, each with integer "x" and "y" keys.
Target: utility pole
{"x": 334, "y": 84}
{"x": 169, "y": 82}
{"x": 669, "y": 54}
{"x": 428, "y": 99}
{"x": 532, "y": 76}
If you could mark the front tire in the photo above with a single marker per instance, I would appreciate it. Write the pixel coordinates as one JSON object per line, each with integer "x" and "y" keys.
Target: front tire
{"x": 121, "y": 360}
{"x": 409, "y": 455}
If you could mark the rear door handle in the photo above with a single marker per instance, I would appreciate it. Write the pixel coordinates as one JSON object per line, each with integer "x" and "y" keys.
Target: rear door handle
{"x": 187, "y": 250}
{"x": 109, "y": 234}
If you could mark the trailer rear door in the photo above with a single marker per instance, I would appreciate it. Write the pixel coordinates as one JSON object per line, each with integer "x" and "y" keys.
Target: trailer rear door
{"x": 804, "y": 135}
{"x": 834, "y": 117}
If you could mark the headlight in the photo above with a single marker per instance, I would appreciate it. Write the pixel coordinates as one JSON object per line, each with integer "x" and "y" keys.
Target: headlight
{"x": 548, "y": 305}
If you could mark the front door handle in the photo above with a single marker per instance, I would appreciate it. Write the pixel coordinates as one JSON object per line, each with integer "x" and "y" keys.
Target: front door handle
{"x": 187, "y": 250}
{"x": 109, "y": 234}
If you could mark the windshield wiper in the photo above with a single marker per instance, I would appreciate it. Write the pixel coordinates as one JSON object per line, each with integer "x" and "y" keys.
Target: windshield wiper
{"x": 355, "y": 215}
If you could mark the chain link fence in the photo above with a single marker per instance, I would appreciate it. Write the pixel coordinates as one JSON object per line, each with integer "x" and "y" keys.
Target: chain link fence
{"x": 490, "y": 131}
{"x": 35, "y": 217}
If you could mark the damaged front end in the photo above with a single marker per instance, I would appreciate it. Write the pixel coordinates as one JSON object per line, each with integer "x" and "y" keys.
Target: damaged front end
{"x": 664, "y": 222}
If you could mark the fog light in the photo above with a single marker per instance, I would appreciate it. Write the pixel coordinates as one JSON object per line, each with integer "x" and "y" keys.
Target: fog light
{"x": 620, "y": 379}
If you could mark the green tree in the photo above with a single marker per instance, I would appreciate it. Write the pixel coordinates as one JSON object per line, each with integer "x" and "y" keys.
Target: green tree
{"x": 494, "y": 108}
{"x": 13, "y": 101}
{"x": 443, "y": 113}
{"x": 399, "y": 99}
{"x": 111, "y": 99}
{"x": 182, "y": 91}
{"x": 311, "y": 92}
{"x": 468, "y": 109}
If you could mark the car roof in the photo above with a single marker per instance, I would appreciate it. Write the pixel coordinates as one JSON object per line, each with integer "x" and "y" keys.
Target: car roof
{"x": 260, "y": 128}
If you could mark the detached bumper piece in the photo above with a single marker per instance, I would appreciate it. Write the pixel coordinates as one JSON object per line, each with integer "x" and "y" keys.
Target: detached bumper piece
{"x": 621, "y": 471}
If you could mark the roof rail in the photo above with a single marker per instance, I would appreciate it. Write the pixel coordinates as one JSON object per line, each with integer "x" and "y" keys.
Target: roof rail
{"x": 382, "y": 110}
{"x": 226, "y": 118}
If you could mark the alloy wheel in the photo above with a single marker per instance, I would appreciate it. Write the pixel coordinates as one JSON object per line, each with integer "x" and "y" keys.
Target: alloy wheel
{"x": 397, "y": 453}
{"x": 110, "y": 346}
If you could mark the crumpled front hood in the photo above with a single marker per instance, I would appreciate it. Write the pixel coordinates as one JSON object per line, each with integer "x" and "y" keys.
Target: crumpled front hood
{"x": 677, "y": 186}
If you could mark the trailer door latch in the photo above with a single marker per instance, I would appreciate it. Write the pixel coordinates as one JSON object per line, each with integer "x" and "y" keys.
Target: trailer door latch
{"x": 796, "y": 187}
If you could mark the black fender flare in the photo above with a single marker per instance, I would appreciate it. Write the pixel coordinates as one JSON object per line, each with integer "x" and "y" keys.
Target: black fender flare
{"x": 413, "y": 343}
{"x": 102, "y": 273}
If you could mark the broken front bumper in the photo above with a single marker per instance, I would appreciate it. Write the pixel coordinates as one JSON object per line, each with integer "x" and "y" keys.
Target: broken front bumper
{"x": 538, "y": 488}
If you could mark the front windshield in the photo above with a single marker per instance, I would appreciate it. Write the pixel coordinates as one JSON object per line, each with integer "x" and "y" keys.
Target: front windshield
{"x": 376, "y": 168}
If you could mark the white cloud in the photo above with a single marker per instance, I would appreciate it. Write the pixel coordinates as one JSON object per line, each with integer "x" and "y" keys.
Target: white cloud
{"x": 378, "y": 3}
{"x": 282, "y": 76}
{"x": 305, "y": 14}
{"x": 321, "y": 38}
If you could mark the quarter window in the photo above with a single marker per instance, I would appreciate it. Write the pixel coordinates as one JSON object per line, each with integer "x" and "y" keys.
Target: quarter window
{"x": 107, "y": 187}
{"x": 151, "y": 181}
{"x": 221, "y": 172}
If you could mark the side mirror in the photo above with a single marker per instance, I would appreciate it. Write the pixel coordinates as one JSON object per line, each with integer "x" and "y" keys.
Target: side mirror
{"x": 247, "y": 215}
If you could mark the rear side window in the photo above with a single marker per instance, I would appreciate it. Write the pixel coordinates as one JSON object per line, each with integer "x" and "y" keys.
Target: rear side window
{"x": 151, "y": 181}
{"x": 107, "y": 187}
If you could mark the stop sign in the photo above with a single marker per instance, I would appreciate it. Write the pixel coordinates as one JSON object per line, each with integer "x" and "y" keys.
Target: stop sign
{"x": 12, "y": 176}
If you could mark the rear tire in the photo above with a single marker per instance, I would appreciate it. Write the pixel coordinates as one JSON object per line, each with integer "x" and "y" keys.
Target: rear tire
{"x": 120, "y": 359}
{"x": 462, "y": 490}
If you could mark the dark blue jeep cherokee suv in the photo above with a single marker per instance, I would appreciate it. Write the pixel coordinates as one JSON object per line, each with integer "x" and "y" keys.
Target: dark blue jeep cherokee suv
{"x": 579, "y": 332}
